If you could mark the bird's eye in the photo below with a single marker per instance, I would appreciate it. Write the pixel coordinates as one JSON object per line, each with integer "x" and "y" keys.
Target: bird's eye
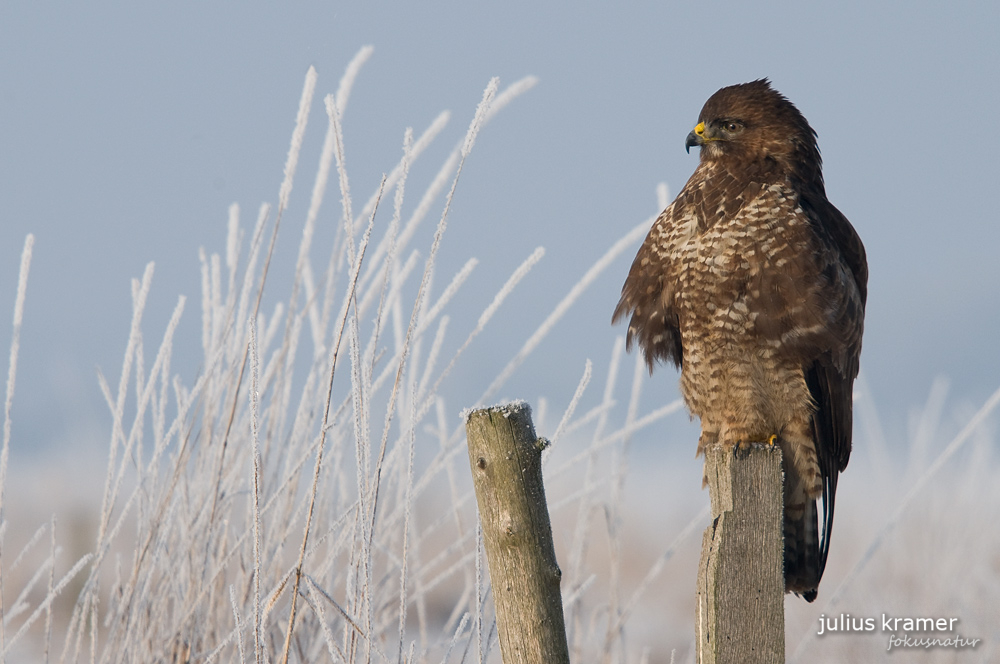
{"x": 732, "y": 126}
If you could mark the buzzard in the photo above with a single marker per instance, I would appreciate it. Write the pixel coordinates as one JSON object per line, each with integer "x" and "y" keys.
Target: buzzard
{"x": 754, "y": 285}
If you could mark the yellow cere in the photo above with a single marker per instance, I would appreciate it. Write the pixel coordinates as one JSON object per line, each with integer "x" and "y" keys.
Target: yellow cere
{"x": 699, "y": 128}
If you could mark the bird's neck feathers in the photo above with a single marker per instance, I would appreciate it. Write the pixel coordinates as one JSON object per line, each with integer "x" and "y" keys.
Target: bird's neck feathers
{"x": 795, "y": 161}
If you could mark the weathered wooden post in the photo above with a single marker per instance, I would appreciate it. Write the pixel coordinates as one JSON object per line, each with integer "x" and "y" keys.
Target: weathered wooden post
{"x": 740, "y": 612}
{"x": 506, "y": 460}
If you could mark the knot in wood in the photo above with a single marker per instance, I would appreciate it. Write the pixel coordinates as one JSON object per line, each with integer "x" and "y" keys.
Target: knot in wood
{"x": 507, "y": 524}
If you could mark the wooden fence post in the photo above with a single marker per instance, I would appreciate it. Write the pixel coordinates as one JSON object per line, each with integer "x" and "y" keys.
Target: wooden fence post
{"x": 740, "y": 612}
{"x": 506, "y": 460}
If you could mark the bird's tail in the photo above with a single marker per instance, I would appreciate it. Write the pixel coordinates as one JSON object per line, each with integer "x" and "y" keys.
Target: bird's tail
{"x": 803, "y": 561}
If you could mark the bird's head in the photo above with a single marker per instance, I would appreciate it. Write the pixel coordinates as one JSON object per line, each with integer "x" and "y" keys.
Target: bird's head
{"x": 754, "y": 124}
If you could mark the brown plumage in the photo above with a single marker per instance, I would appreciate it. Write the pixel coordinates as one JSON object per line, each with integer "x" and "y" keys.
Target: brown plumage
{"x": 754, "y": 285}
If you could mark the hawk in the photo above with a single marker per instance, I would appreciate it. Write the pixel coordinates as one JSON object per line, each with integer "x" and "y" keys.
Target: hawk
{"x": 754, "y": 285}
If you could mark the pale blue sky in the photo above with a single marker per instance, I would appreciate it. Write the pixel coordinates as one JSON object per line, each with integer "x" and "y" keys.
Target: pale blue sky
{"x": 126, "y": 130}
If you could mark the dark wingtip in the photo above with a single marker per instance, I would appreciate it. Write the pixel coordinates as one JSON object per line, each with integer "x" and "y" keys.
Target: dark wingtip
{"x": 623, "y": 308}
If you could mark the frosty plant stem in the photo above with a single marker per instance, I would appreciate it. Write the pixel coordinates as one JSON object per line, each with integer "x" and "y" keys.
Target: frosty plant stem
{"x": 15, "y": 345}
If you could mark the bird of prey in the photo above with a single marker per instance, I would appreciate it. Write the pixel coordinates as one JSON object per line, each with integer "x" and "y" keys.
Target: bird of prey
{"x": 754, "y": 285}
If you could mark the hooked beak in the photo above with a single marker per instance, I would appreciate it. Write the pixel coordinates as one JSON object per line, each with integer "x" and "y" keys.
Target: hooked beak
{"x": 695, "y": 138}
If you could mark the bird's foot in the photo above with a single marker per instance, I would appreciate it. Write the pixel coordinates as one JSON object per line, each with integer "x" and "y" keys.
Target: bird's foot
{"x": 741, "y": 448}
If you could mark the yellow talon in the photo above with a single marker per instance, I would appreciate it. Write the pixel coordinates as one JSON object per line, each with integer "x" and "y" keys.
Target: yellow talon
{"x": 772, "y": 439}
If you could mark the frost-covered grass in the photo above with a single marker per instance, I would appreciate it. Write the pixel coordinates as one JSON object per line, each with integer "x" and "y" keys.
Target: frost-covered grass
{"x": 305, "y": 496}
